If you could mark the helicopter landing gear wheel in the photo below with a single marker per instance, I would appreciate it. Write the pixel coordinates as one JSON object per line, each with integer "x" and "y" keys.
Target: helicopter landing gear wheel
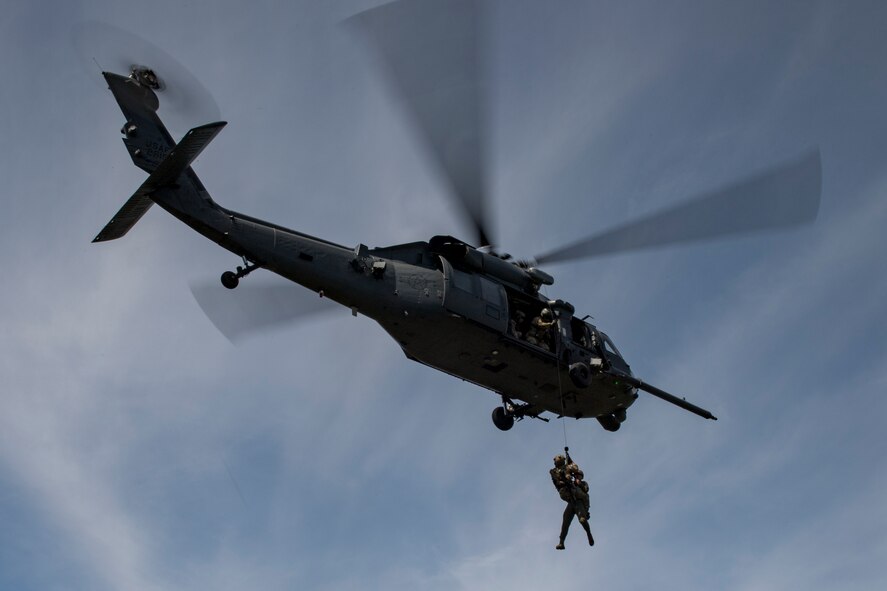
{"x": 609, "y": 422}
{"x": 230, "y": 279}
{"x": 502, "y": 418}
{"x": 620, "y": 415}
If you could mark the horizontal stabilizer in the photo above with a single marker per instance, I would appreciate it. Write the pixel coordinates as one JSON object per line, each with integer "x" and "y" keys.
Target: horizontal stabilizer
{"x": 167, "y": 173}
{"x": 182, "y": 155}
{"x": 131, "y": 212}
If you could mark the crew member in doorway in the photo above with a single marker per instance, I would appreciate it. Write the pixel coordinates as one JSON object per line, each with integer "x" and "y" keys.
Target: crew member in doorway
{"x": 540, "y": 330}
{"x": 517, "y": 324}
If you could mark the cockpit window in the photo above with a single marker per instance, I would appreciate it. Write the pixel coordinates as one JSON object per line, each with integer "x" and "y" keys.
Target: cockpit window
{"x": 609, "y": 346}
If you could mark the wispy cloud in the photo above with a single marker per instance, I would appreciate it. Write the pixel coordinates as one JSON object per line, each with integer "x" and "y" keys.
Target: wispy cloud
{"x": 125, "y": 417}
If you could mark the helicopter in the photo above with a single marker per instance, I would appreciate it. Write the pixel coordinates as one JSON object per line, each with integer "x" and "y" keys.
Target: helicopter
{"x": 457, "y": 306}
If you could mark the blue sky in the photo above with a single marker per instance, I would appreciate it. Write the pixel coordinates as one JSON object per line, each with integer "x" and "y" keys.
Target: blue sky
{"x": 140, "y": 450}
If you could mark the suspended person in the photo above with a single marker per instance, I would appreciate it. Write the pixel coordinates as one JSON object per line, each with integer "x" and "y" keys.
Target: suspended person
{"x": 573, "y": 494}
{"x": 580, "y": 495}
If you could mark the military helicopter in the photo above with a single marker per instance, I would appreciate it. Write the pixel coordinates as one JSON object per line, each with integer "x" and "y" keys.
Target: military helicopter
{"x": 456, "y": 306}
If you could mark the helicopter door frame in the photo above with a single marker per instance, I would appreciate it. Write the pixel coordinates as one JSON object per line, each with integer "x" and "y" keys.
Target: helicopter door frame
{"x": 530, "y": 307}
{"x": 475, "y": 297}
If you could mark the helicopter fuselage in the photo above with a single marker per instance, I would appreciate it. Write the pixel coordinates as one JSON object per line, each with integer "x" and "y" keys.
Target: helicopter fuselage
{"x": 446, "y": 317}
{"x": 448, "y": 305}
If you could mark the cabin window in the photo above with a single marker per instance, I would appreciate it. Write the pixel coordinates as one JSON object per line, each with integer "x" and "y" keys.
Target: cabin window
{"x": 490, "y": 291}
{"x": 463, "y": 281}
{"x": 475, "y": 298}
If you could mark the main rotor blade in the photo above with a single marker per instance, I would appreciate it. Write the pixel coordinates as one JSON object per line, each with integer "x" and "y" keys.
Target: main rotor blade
{"x": 430, "y": 51}
{"x": 253, "y": 308}
{"x": 786, "y": 195}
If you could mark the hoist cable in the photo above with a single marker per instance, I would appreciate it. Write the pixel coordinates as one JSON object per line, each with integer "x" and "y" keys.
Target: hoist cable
{"x": 560, "y": 387}
{"x": 560, "y": 390}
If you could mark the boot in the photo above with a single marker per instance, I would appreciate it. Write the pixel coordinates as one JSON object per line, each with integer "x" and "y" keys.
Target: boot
{"x": 587, "y": 529}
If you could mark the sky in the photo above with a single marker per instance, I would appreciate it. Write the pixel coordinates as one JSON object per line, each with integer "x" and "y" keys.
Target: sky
{"x": 139, "y": 449}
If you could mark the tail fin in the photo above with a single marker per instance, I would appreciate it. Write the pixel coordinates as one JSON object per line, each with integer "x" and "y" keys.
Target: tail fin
{"x": 146, "y": 138}
{"x": 152, "y": 149}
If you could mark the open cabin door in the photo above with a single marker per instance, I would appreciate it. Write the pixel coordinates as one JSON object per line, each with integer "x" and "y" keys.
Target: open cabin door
{"x": 475, "y": 297}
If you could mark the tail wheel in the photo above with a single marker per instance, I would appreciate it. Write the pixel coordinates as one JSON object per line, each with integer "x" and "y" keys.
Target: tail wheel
{"x": 502, "y": 419}
{"x": 230, "y": 279}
